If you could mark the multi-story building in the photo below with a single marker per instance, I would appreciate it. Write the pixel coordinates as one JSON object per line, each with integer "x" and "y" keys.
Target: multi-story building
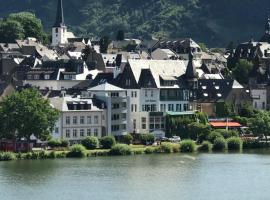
{"x": 80, "y": 117}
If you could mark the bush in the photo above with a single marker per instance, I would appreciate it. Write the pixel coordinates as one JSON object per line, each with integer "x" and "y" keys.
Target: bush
{"x": 206, "y": 146}
{"x": 187, "y": 146}
{"x": 7, "y": 156}
{"x": 228, "y": 133}
{"x": 90, "y": 143}
{"x": 61, "y": 155}
{"x": 52, "y": 155}
{"x": 213, "y": 136}
{"x": 149, "y": 150}
{"x": 219, "y": 144}
{"x": 127, "y": 139}
{"x": 121, "y": 150}
{"x": 54, "y": 143}
{"x": 77, "y": 151}
{"x": 138, "y": 151}
{"x": 107, "y": 142}
{"x": 166, "y": 147}
{"x": 234, "y": 143}
{"x": 253, "y": 144}
{"x": 176, "y": 148}
{"x": 64, "y": 143}
{"x": 147, "y": 139}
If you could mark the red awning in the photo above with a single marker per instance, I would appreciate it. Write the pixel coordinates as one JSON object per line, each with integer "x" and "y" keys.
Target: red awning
{"x": 225, "y": 124}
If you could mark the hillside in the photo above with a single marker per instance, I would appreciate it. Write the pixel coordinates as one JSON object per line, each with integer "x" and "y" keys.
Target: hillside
{"x": 215, "y": 23}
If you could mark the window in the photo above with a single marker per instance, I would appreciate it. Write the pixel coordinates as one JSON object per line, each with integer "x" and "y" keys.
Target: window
{"x": 153, "y": 108}
{"x": 152, "y": 93}
{"x": 178, "y": 107}
{"x": 171, "y": 107}
{"x": 96, "y": 120}
{"x": 124, "y": 105}
{"x": 115, "y": 117}
{"x": 134, "y": 124}
{"x": 134, "y": 94}
{"x": 56, "y": 30}
{"x": 115, "y": 106}
{"x": 67, "y": 133}
{"x": 115, "y": 128}
{"x": 128, "y": 82}
{"x": 114, "y": 94}
{"x": 74, "y": 133}
{"x": 88, "y": 132}
{"x": 67, "y": 120}
{"x": 145, "y": 93}
{"x": 56, "y": 130}
{"x": 163, "y": 107}
{"x": 185, "y": 107}
{"x": 74, "y": 120}
{"x": 133, "y": 107}
{"x": 82, "y": 120}
{"x": 46, "y": 76}
{"x": 89, "y": 120}
{"x": 36, "y": 77}
{"x": 29, "y": 77}
{"x": 143, "y": 123}
{"x": 96, "y": 132}
{"x": 82, "y": 132}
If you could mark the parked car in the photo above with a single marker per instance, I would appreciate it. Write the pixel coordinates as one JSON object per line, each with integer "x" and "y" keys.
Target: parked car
{"x": 175, "y": 139}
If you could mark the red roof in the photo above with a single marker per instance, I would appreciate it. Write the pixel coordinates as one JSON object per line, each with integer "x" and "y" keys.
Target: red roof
{"x": 225, "y": 124}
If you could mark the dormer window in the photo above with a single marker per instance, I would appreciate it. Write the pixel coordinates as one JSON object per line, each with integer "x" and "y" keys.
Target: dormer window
{"x": 128, "y": 82}
{"x": 217, "y": 87}
{"x": 204, "y": 87}
{"x": 46, "y": 76}
{"x": 219, "y": 95}
{"x": 205, "y": 94}
{"x": 36, "y": 77}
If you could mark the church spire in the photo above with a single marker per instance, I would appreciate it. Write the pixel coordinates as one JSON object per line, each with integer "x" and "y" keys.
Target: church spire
{"x": 191, "y": 69}
{"x": 59, "y": 21}
{"x": 267, "y": 26}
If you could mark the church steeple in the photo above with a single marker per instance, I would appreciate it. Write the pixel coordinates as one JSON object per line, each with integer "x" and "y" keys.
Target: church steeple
{"x": 59, "y": 21}
{"x": 191, "y": 69}
{"x": 266, "y": 36}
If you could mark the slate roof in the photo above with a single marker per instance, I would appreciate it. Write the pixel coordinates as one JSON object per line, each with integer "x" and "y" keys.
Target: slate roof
{"x": 106, "y": 87}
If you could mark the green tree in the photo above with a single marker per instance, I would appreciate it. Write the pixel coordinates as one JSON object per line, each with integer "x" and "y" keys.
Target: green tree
{"x": 10, "y": 30}
{"x": 104, "y": 43}
{"x": 260, "y": 124}
{"x": 90, "y": 142}
{"x": 199, "y": 131}
{"x": 242, "y": 70}
{"x": 27, "y": 113}
{"x": 120, "y": 35}
{"x": 32, "y": 26}
{"x": 203, "y": 47}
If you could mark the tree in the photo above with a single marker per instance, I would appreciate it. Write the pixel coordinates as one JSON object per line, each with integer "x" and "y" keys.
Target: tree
{"x": 120, "y": 35}
{"x": 26, "y": 113}
{"x": 10, "y": 30}
{"x": 21, "y": 25}
{"x": 90, "y": 143}
{"x": 203, "y": 47}
{"x": 107, "y": 142}
{"x": 127, "y": 139}
{"x": 32, "y": 26}
{"x": 199, "y": 131}
{"x": 242, "y": 70}
{"x": 104, "y": 43}
{"x": 260, "y": 124}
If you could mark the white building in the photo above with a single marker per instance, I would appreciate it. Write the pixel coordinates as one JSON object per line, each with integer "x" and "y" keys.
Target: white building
{"x": 79, "y": 118}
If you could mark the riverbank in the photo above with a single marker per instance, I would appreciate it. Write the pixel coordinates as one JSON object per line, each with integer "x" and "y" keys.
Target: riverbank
{"x": 187, "y": 146}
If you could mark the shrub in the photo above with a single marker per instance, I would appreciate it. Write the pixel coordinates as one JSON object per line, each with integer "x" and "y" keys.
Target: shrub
{"x": 61, "y": 155}
{"x": 90, "y": 142}
{"x": 253, "y": 144}
{"x": 219, "y": 144}
{"x": 187, "y": 146}
{"x": 147, "y": 139}
{"x": 127, "y": 139}
{"x": 77, "y": 151}
{"x": 35, "y": 155}
{"x": 54, "y": 143}
{"x": 64, "y": 143}
{"x": 166, "y": 147}
{"x": 52, "y": 155}
{"x": 149, "y": 150}
{"x": 43, "y": 155}
{"x": 7, "y": 156}
{"x": 121, "y": 149}
{"x": 138, "y": 151}
{"x": 28, "y": 155}
{"x": 213, "y": 136}
{"x": 228, "y": 133}
{"x": 234, "y": 143}
{"x": 176, "y": 148}
{"x": 206, "y": 146}
{"x": 107, "y": 142}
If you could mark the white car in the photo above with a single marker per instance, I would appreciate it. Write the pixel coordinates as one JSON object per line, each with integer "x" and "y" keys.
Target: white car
{"x": 175, "y": 139}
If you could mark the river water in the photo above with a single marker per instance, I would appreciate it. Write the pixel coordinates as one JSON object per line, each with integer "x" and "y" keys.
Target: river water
{"x": 143, "y": 177}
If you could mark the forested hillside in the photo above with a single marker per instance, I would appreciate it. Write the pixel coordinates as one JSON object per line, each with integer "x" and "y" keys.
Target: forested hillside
{"x": 214, "y": 22}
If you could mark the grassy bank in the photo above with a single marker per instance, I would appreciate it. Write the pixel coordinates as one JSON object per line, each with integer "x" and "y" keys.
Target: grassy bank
{"x": 186, "y": 146}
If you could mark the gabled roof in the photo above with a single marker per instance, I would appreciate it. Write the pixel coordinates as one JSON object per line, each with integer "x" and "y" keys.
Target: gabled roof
{"x": 158, "y": 68}
{"x": 106, "y": 87}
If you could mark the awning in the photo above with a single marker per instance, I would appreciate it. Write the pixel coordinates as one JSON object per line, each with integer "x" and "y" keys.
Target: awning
{"x": 225, "y": 124}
